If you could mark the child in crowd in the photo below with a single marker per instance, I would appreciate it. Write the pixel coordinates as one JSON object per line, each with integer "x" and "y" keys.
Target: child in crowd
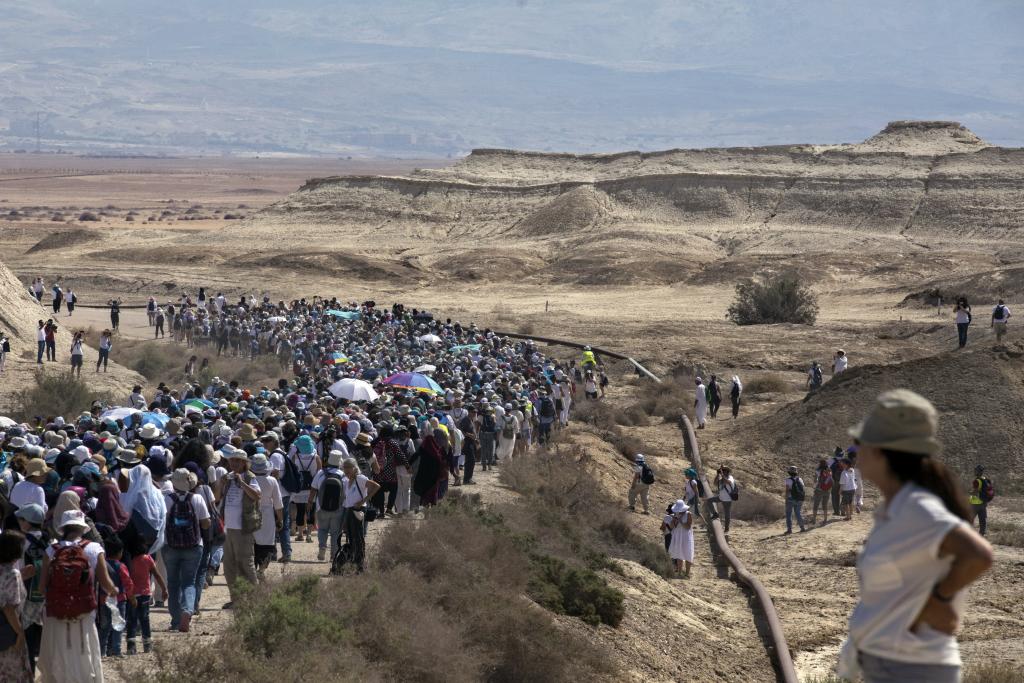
{"x": 110, "y": 637}
{"x": 143, "y": 568}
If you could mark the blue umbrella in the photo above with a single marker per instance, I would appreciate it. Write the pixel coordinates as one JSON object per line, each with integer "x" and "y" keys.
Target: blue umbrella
{"x": 344, "y": 315}
{"x": 158, "y": 419}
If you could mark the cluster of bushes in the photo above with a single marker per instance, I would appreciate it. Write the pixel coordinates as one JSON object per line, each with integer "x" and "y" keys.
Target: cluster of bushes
{"x": 466, "y": 594}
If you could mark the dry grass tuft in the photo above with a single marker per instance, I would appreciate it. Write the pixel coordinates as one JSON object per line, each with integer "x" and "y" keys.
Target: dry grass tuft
{"x": 767, "y": 384}
{"x": 55, "y": 394}
{"x": 1005, "y": 533}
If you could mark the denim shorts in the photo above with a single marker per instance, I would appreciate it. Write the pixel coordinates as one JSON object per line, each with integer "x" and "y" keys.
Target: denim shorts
{"x": 878, "y": 670}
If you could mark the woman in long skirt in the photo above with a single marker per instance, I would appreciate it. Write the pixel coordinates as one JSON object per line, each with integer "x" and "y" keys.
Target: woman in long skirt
{"x": 681, "y": 547}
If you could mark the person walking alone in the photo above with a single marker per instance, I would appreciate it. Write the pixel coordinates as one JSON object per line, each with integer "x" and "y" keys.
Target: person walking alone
{"x": 106, "y": 341}
{"x": 736, "y": 395}
{"x": 918, "y": 558}
{"x": 639, "y": 488}
{"x": 981, "y": 495}
{"x": 76, "y": 354}
{"x": 1000, "y": 316}
{"x": 794, "y": 500}
{"x": 962, "y": 315}
{"x": 700, "y": 403}
{"x": 714, "y": 396}
{"x": 70, "y": 299}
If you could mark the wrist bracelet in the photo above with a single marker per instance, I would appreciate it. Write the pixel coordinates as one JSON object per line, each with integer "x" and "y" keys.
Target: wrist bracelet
{"x": 939, "y": 596}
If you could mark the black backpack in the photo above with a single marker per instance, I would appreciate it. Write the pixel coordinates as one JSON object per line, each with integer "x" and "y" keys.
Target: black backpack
{"x": 331, "y": 492}
{"x": 796, "y": 488}
{"x": 291, "y": 480}
{"x": 999, "y": 313}
{"x": 646, "y": 474}
{"x": 817, "y": 375}
{"x": 7, "y": 346}
{"x": 547, "y": 407}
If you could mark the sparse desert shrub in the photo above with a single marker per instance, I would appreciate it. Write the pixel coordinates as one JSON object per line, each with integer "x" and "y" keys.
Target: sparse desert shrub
{"x": 152, "y": 362}
{"x": 1006, "y": 533}
{"x": 54, "y": 394}
{"x": 992, "y": 671}
{"x": 780, "y": 298}
{"x": 667, "y": 400}
{"x": 88, "y": 216}
{"x": 766, "y": 384}
{"x": 754, "y": 505}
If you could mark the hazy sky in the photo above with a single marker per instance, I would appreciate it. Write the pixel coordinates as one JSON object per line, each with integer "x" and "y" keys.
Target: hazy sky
{"x": 394, "y": 76}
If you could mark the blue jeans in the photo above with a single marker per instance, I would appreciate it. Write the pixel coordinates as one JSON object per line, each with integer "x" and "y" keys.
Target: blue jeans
{"x": 285, "y": 537}
{"x": 793, "y": 508}
{"x": 204, "y": 566}
{"x": 961, "y": 333}
{"x": 329, "y": 525}
{"x": 42, "y": 350}
{"x": 110, "y": 640}
{"x": 138, "y": 618}
{"x": 182, "y": 565}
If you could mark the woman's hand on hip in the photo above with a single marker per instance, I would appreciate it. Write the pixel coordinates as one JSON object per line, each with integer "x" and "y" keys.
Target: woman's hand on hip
{"x": 939, "y": 615}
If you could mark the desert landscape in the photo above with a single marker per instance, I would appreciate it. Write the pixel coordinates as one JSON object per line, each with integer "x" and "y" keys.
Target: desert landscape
{"x": 639, "y": 253}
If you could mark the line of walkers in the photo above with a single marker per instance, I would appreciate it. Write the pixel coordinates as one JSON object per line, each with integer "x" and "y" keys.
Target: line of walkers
{"x": 121, "y": 509}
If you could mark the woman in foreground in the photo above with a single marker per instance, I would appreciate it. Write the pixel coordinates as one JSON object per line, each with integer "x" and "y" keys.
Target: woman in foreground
{"x": 920, "y": 555}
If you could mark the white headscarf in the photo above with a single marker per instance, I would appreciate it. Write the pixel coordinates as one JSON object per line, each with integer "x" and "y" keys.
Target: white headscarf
{"x": 148, "y": 501}
{"x": 737, "y": 382}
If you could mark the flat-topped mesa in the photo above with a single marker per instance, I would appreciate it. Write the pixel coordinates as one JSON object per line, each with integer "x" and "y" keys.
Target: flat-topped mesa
{"x": 923, "y": 137}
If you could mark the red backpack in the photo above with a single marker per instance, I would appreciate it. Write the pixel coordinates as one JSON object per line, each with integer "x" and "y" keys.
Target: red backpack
{"x": 825, "y": 480}
{"x": 70, "y": 590}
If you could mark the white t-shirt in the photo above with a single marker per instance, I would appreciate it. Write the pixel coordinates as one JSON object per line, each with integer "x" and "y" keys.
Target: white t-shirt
{"x": 305, "y": 463}
{"x": 840, "y": 364}
{"x": 270, "y": 500}
{"x": 848, "y": 480}
{"x": 898, "y": 568}
{"x": 233, "y": 503}
{"x": 725, "y": 487}
{"x": 354, "y": 491}
{"x": 962, "y": 317}
{"x": 198, "y": 506}
{"x": 1006, "y": 314}
{"x": 277, "y": 463}
{"x": 26, "y": 492}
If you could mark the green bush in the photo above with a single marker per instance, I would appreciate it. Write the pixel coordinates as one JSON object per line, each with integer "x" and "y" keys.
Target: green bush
{"x": 777, "y": 299}
{"x": 578, "y": 592}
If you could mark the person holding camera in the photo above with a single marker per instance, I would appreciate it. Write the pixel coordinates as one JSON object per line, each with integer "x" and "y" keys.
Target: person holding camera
{"x": 962, "y": 314}
{"x": 728, "y": 493}
{"x": 238, "y": 494}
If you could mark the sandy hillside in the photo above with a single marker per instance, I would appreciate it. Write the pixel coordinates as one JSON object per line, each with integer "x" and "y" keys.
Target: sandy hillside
{"x": 19, "y": 316}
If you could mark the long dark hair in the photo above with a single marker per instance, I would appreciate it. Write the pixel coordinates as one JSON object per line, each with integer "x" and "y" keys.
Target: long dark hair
{"x": 929, "y": 473}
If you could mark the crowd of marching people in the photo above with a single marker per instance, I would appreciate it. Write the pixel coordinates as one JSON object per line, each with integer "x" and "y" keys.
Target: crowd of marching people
{"x": 122, "y": 508}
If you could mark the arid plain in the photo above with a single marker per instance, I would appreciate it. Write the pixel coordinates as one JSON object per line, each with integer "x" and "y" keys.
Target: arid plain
{"x": 639, "y": 253}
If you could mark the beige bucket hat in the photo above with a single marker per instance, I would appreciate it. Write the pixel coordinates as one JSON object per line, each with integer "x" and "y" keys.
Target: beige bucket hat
{"x": 900, "y": 420}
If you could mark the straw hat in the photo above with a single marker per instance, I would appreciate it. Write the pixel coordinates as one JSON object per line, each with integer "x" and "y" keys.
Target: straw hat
{"x": 183, "y": 481}
{"x": 149, "y": 431}
{"x": 36, "y": 467}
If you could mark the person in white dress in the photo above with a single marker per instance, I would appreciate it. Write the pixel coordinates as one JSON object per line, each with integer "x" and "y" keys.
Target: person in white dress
{"x": 700, "y": 404}
{"x": 680, "y": 548}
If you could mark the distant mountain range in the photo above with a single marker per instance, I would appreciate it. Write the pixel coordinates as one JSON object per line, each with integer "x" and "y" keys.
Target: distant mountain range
{"x": 425, "y": 77}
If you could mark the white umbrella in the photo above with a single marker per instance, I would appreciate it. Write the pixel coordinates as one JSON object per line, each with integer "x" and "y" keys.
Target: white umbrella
{"x": 277, "y": 319}
{"x": 6, "y": 422}
{"x": 425, "y": 368}
{"x": 431, "y": 338}
{"x": 119, "y": 413}
{"x": 353, "y": 390}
